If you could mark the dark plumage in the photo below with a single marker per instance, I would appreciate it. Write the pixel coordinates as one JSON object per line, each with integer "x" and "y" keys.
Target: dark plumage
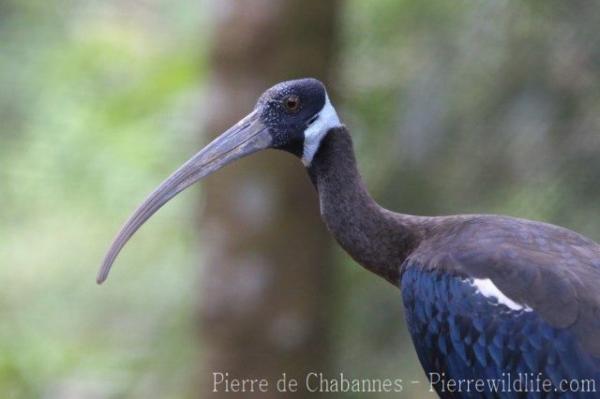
{"x": 484, "y": 295}
{"x": 460, "y": 334}
{"x": 457, "y": 331}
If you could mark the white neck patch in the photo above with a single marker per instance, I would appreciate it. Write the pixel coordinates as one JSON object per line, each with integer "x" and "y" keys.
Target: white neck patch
{"x": 327, "y": 119}
{"x": 488, "y": 289}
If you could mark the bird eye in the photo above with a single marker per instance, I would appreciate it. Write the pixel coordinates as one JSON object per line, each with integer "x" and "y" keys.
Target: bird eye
{"x": 292, "y": 103}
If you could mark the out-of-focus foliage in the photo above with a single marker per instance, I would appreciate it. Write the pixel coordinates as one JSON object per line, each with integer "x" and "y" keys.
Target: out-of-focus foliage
{"x": 492, "y": 107}
{"x": 93, "y": 98}
{"x": 456, "y": 106}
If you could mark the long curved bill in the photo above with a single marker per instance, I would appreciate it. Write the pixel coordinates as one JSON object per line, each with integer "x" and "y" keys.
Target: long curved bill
{"x": 244, "y": 138}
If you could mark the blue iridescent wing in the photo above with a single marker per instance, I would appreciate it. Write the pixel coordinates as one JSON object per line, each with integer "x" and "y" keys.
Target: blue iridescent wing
{"x": 460, "y": 334}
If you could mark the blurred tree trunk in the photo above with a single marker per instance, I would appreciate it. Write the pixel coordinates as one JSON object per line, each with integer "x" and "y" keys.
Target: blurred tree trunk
{"x": 267, "y": 282}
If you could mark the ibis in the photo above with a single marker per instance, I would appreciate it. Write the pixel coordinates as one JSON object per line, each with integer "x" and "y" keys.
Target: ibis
{"x": 487, "y": 297}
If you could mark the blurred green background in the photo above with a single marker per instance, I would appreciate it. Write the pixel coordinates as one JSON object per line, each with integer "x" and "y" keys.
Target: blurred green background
{"x": 455, "y": 107}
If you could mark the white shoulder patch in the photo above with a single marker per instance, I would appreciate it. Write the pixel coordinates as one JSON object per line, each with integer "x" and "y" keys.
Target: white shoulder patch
{"x": 327, "y": 119}
{"x": 488, "y": 289}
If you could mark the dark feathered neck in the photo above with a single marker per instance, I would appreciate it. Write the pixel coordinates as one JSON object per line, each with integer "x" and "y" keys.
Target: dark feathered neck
{"x": 376, "y": 238}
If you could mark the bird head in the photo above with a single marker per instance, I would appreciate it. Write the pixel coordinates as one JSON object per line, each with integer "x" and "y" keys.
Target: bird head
{"x": 292, "y": 116}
